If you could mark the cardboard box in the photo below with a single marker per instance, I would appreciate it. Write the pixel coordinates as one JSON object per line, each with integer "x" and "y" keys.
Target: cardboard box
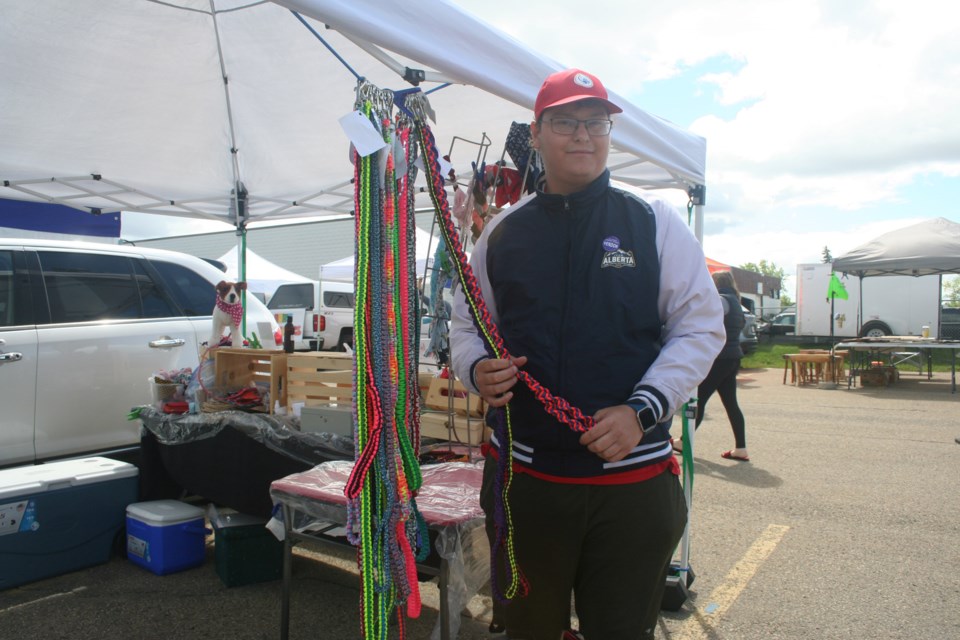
{"x": 338, "y": 420}
{"x": 62, "y": 516}
{"x": 877, "y": 377}
{"x": 165, "y": 536}
{"x": 246, "y": 552}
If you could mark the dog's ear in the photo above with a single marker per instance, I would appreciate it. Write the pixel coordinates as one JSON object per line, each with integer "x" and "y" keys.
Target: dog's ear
{"x": 242, "y": 286}
{"x": 222, "y": 286}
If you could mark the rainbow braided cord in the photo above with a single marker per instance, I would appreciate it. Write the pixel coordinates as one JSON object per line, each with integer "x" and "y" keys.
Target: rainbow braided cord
{"x": 382, "y": 519}
{"x": 512, "y": 584}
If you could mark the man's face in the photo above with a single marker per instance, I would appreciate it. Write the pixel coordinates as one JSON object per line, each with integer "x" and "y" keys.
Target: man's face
{"x": 571, "y": 161}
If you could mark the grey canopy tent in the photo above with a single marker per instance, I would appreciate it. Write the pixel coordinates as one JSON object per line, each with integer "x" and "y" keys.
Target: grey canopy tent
{"x": 931, "y": 247}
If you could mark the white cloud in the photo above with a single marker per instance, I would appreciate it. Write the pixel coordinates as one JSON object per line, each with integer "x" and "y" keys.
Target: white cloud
{"x": 837, "y": 105}
{"x": 824, "y": 109}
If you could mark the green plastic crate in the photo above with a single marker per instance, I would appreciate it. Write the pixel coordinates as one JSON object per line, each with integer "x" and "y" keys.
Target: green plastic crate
{"x": 245, "y": 551}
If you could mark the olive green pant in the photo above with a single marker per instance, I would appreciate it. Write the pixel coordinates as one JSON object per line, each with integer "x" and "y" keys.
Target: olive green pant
{"x": 608, "y": 545}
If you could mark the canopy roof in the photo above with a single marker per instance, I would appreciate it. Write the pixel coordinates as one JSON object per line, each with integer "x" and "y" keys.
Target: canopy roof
{"x": 263, "y": 276}
{"x": 926, "y": 248}
{"x": 222, "y": 109}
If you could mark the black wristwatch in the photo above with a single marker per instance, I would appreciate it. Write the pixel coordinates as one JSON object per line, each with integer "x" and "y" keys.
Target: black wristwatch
{"x": 647, "y": 419}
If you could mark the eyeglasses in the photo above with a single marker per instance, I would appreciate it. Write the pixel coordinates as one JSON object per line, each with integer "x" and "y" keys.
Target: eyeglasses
{"x": 569, "y": 126}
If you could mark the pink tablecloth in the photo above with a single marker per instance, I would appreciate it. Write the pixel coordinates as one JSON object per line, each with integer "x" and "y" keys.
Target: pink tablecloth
{"x": 450, "y": 493}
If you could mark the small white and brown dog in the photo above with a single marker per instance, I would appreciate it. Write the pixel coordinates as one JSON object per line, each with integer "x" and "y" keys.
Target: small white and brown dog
{"x": 228, "y": 312}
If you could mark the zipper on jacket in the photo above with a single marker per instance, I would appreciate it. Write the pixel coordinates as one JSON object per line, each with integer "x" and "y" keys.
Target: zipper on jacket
{"x": 565, "y": 308}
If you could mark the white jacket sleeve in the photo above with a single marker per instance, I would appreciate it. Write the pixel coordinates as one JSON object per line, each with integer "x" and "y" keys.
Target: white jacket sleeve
{"x": 466, "y": 344}
{"x": 691, "y": 311}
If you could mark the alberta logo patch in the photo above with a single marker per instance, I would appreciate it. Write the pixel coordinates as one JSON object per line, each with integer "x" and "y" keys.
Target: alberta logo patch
{"x": 618, "y": 259}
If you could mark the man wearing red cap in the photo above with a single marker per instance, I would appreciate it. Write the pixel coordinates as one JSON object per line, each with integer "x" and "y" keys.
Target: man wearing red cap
{"x": 602, "y": 296}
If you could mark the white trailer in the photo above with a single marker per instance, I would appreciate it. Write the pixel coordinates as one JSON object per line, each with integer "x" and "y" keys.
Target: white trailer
{"x": 892, "y": 305}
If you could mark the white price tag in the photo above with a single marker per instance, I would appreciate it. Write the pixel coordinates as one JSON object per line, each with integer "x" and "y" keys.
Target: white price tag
{"x": 361, "y": 132}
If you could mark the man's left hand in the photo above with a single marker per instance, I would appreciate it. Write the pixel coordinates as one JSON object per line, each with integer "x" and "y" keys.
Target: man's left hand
{"x": 615, "y": 433}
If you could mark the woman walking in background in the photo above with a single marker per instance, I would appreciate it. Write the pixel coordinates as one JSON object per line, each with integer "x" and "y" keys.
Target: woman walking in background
{"x": 723, "y": 374}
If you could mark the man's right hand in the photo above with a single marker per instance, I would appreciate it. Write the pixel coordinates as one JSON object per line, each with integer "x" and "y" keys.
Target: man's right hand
{"x": 495, "y": 378}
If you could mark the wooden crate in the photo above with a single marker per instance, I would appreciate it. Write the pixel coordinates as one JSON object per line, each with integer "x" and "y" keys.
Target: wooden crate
{"x": 318, "y": 388}
{"x": 239, "y": 368}
{"x": 464, "y": 403}
{"x": 322, "y": 360}
{"x": 462, "y": 429}
{"x": 319, "y": 378}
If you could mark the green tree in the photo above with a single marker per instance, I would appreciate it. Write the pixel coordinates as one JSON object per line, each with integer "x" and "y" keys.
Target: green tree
{"x": 770, "y": 269}
{"x": 765, "y": 268}
{"x": 826, "y": 255}
{"x": 951, "y": 291}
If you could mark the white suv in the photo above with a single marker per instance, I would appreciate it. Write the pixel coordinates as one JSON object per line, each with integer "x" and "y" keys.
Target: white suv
{"x": 82, "y": 328}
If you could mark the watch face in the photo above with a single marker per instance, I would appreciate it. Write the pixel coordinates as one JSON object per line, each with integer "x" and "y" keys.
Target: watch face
{"x": 646, "y": 419}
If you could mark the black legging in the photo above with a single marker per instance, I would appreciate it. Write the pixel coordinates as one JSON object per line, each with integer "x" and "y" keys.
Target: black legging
{"x": 723, "y": 379}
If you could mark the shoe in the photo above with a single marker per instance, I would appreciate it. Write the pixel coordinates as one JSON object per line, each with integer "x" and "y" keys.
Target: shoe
{"x": 730, "y": 455}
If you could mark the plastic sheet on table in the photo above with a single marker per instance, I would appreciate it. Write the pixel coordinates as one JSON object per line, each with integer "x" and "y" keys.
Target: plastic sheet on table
{"x": 278, "y": 433}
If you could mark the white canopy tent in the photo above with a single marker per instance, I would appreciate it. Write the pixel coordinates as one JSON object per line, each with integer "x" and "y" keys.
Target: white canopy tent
{"x": 262, "y": 276}
{"x": 228, "y": 109}
{"x": 342, "y": 270}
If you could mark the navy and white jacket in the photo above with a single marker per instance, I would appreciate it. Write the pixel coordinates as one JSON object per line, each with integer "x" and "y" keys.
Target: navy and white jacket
{"x": 609, "y": 297}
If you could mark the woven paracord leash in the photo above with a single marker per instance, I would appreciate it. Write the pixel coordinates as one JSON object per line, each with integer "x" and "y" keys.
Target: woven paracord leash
{"x": 562, "y": 410}
{"x": 382, "y": 517}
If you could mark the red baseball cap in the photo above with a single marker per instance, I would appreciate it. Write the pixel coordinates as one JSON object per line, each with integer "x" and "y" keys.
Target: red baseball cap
{"x": 571, "y": 85}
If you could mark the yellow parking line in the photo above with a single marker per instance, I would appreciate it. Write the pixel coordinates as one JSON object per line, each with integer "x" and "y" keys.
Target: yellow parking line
{"x": 38, "y": 600}
{"x": 701, "y": 624}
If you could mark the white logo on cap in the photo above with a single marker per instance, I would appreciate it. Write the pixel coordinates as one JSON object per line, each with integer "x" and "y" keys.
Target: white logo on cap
{"x": 583, "y": 81}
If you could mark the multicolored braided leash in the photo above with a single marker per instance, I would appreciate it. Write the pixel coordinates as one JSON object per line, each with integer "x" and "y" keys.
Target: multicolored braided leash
{"x": 512, "y": 584}
{"x": 382, "y": 517}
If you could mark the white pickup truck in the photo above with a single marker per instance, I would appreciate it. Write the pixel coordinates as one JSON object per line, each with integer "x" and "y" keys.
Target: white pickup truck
{"x": 322, "y": 313}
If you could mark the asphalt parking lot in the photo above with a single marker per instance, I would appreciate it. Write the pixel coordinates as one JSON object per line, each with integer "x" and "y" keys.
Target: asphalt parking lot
{"x": 845, "y": 524}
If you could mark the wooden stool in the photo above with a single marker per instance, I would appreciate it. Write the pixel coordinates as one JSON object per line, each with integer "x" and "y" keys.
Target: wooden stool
{"x": 808, "y": 368}
{"x": 788, "y": 363}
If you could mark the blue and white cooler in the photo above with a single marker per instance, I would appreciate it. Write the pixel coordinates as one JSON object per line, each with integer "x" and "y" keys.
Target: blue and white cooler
{"x": 61, "y": 517}
{"x": 166, "y": 536}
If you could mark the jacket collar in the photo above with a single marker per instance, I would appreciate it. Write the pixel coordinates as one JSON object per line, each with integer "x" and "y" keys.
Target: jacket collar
{"x": 580, "y": 201}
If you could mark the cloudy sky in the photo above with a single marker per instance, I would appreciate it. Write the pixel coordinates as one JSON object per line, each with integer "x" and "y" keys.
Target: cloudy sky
{"x": 827, "y": 123}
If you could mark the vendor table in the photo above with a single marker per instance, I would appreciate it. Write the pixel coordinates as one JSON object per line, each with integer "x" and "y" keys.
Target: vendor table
{"x": 227, "y": 457}
{"x": 314, "y": 509}
{"x": 897, "y": 350}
